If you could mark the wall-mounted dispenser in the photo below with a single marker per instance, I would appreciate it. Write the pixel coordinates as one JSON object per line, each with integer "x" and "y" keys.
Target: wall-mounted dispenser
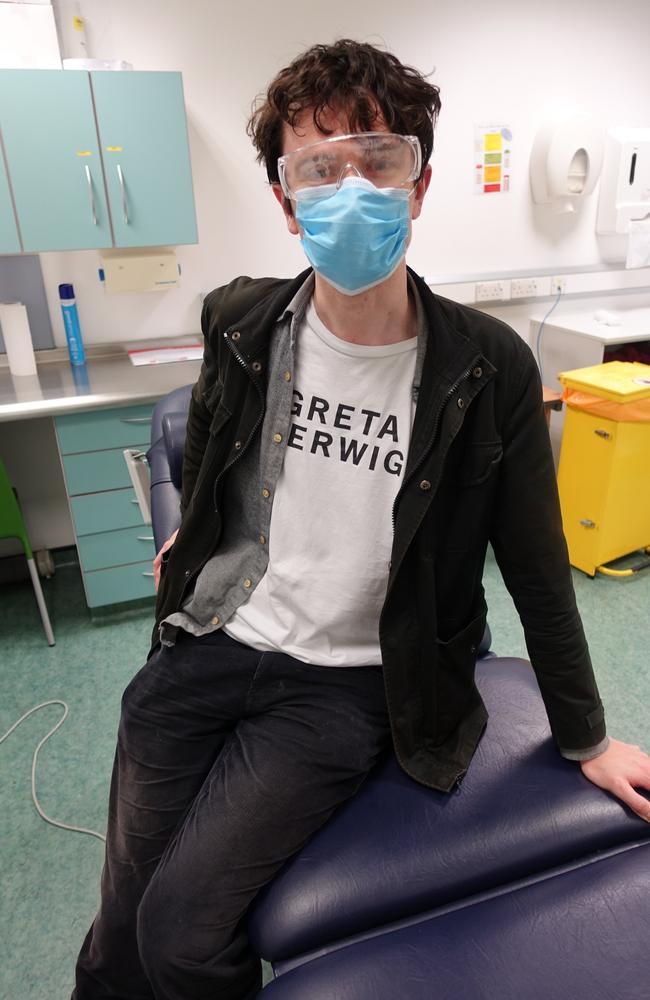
{"x": 625, "y": 184}
{"x": 565, "y": 162}
{"x": 134, "y": 269}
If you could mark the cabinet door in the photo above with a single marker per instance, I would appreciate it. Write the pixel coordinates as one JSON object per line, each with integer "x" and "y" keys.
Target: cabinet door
{"x": 143, "y": 138}
{"x": 50, "y": 138}
{"x": 9, "y": 239}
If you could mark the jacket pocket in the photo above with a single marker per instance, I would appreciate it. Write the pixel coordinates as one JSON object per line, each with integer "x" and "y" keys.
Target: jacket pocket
{"x": 455, "y": 674}
{"x": 478, "y": 462}
{"x": 220, "y": 417}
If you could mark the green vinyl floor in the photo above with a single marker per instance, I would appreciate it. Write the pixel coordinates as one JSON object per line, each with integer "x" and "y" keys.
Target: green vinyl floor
{"x": 51, "y": 876}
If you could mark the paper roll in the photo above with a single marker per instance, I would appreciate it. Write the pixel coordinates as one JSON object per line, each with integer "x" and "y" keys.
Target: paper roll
{"x": 18, "y": 339}
{"x": 638, "y": 243}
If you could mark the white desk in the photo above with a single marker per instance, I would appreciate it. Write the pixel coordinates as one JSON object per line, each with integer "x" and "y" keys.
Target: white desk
{"x": 29, "y": 405}
{"x": 578, "y": 340}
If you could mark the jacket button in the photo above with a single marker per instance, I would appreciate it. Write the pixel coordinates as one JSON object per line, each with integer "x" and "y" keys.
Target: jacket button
{"x": 248, "y": 583}
{"x": 277, "y": 438}
{"x": 262, "y": 539}
{"x": 287, "y": 376}
{"x": 256, "y": 366}
{"x": 238, "y": 444}
{"x": 187, "y": 572}
{"x": 216, "y": 620}
{"x": 266, "y": 493}
{"x": 477, "y": 372}
{"x": 425, "y": 485}
{"x": 236, "y": 335}
{"x": 460, "y": 402}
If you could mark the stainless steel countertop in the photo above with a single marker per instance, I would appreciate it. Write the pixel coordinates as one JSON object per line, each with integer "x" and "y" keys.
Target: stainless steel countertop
{"x": 108, "y": 378}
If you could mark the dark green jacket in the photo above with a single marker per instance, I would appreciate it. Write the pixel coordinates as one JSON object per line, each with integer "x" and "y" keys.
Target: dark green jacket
{"x": 479, "y": 469}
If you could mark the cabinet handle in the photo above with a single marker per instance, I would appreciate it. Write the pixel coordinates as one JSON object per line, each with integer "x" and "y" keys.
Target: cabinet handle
{"x": 125, "y": 209}
{"x": 602, "y": 434}
{"x": 587, "y": 523}
{"x": 147, "y": 574}
{"x": 144, "y": 538}
{"x": 91, "y": 193}
{"x": 135, "y": 420}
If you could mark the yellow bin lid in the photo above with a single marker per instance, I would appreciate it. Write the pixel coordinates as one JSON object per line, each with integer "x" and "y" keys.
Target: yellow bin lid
{"x": 622, "y": 381}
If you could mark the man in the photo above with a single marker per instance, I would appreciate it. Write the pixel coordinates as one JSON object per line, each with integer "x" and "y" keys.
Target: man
{"x": 353, "y": 443}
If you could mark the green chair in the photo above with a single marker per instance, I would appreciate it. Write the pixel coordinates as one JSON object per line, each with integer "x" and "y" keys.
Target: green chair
{"x": 12, "y": 525}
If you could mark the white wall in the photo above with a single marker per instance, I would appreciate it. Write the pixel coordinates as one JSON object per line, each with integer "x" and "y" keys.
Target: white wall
{"x": 506, "y": 61}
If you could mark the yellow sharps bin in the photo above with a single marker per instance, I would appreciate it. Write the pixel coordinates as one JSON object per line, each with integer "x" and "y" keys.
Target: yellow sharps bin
{"x": 604, "y": 471}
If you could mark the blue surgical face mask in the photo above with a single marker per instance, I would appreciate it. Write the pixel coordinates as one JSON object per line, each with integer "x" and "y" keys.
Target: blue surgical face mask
{"x": 354, "y": 234}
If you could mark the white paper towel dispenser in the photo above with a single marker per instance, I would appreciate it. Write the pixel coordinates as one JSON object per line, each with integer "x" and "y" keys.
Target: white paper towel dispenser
{"x": 625, "y": 184}
{"x": 139, "y": 270}
{"x": 565, "y": 161}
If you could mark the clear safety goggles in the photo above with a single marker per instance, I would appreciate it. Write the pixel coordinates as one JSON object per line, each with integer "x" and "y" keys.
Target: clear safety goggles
{"x": 384, "y": 158}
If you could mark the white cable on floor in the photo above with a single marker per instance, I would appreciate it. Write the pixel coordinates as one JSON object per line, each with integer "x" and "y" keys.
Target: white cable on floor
{"x": 48, "y": 819}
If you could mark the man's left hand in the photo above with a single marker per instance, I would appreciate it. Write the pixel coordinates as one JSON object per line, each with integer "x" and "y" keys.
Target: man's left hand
{"x": 620, "y": 767}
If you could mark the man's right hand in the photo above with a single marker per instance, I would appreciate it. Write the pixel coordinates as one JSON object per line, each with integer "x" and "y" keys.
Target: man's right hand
{"x": 157, "y": 561}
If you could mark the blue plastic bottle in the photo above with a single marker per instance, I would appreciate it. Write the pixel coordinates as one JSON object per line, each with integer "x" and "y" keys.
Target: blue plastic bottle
{"x": 71, "y": 323}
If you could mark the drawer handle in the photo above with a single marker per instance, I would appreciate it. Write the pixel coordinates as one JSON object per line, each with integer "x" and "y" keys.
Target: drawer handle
{"x": 147, "y": 574}
{"x": 602, "y": 434}
{"x": 587, "y": 523}
{"x": 135, "y": 420}
{"x": 145, "y": 538}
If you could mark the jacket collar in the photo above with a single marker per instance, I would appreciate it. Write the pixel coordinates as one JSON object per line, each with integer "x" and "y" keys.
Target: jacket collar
{"x": 448, "y": 351}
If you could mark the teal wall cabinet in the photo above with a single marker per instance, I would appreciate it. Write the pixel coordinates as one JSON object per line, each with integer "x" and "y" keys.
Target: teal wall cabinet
{"x": 143, "y": 137}
{"x": 96, "y": 160}
{"x": 50, "y": 139}
{"x": 9, "y": 239}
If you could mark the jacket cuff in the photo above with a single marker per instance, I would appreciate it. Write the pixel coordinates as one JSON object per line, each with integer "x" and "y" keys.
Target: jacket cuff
{"x": 587, "y": 753}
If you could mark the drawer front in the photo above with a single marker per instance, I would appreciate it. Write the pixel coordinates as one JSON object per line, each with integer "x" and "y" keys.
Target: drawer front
{"x": 99, "y": 512}
{"x": 94, "y": 471}
{"x": 118, "y": 584}
{"x": 97, "y": 430}
{"x": 116, "y": 548}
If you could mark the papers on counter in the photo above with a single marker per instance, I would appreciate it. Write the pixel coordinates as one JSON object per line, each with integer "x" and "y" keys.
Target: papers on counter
{"x": 163, "y": 355}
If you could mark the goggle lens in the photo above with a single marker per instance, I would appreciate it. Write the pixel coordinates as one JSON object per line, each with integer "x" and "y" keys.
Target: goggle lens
{"x": 384, "y": 158}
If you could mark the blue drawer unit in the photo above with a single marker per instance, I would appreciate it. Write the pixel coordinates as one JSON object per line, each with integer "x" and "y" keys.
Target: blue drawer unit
{"x": 50, "y": 139}
{"x": 115, "y": 546}
{"x": 96, "y": 430}
{"x": 121, "y": 583}
{"x": 143, "y": 137}
{"x": 9, "y": 238}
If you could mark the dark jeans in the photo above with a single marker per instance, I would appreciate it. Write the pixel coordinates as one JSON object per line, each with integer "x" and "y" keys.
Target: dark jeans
{"x": 227, "y": 761}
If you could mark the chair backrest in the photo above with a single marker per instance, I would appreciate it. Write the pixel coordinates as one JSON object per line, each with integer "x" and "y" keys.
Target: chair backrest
{"x": 165, "y": 458}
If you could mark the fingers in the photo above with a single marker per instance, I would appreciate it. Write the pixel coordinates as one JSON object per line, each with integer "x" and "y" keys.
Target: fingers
{"x": 157, "y": 563}
{"x": 636, "y": 802}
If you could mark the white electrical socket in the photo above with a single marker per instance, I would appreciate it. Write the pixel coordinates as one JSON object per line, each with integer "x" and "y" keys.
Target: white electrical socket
{"x": 524, "y": 288}
{"x": 492, "y": 291}
{"x": 558, "y": 285}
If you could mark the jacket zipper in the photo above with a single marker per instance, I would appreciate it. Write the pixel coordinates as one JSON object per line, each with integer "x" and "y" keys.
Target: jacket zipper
{"x": 258, "y": 422}
{"x": 425, "y": 453}
{"x": 238, "y": 455}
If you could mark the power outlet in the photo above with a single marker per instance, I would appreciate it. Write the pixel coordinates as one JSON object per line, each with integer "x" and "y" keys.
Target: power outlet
{"x": 558, "y": 285}
{"x": 524, "y": 288}
{"x": 492, "y": 291}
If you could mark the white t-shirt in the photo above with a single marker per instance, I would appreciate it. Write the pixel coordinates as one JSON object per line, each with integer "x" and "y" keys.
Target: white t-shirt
{"x": 331, "y": 530}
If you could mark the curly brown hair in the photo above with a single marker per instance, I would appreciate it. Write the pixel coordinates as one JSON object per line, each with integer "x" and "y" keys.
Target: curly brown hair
{"x": 356, "y": 76}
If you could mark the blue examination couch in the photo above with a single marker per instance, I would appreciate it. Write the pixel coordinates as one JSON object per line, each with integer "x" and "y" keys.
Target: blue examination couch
{"x": 526, "y": 883}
